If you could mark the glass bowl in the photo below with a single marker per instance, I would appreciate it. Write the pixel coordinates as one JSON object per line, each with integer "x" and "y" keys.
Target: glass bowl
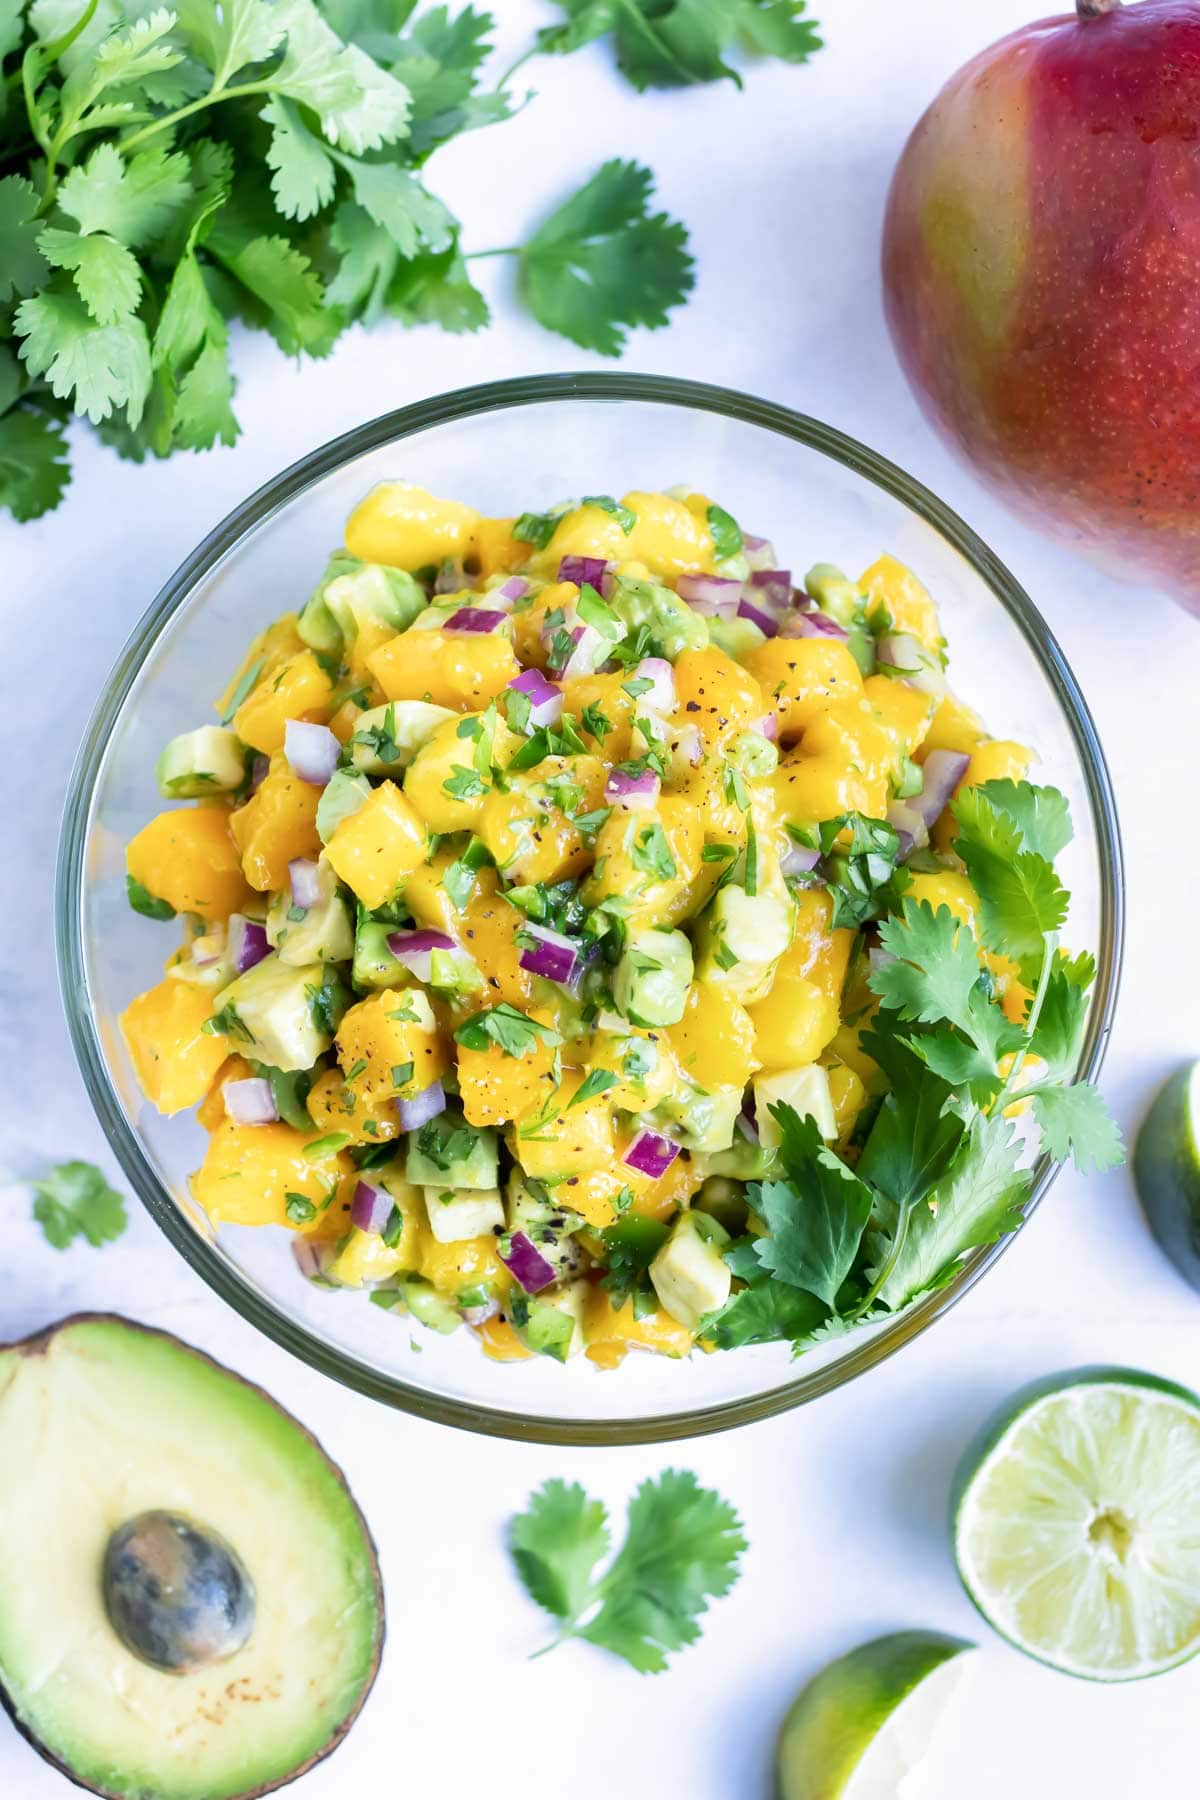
{"x": 506, "y": 447}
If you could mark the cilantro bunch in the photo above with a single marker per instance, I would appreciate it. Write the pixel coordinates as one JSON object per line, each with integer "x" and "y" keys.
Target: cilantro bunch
{"x": 167, "y": 170}
{"x": 940, "y": 1169}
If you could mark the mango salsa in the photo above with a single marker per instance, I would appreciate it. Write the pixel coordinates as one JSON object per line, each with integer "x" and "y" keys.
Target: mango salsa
{"x": 563, "y": 865}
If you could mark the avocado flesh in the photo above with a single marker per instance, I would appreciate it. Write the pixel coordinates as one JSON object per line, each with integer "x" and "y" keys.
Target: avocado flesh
{"x": 102, "y": 1419}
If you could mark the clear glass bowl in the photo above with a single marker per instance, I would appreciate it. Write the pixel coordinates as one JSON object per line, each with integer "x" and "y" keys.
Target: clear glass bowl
{"x": 505, "y": 447}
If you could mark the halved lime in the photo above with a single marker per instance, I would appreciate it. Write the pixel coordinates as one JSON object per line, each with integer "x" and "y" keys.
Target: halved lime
{"x": 866, "y": 1720}
{"x": 1166, "y": 1170}
{"x": 1076, "y": 1523}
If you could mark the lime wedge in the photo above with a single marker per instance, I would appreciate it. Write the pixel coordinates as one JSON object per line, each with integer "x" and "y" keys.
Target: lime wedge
{"x": 1166, "y": 1170}
{"x": 1074, "y": 1519}
{"x": 866, "y": 1720}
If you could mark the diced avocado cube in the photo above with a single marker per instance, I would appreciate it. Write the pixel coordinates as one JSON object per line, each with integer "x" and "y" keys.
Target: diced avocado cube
{"x": 690, "y": 1274}
{"x": 388, "y": 737}
{"x": 701, "y": 1119}
{"x": 743, "y": 1160}
{"x": 456, "y": 1214}
{"x": 374, "y": 964}
{"x": 448, "y": 1153}
{"x": 672, "y": 624}
{"x": 725, "y": 1201}
{"x": 323, "y": 932}
{"x": 834, "y": 593}
{"x": 551, "y": 1324}
{"x": 209, "y": 760}
{"x": 736, "y": 637}
{"x": 806, "y": 1089}
{"x": 753, "y": 754}
{"x": 742, "y": 936}
{"x": 207, "y": 961}
{"x": 551, "y": 1229}
{"x": 453, "y": 973}
{"x": 279, "y": 1013}
{"x": 428, "y": 1306}
{"x": 369, "y": 591}
{"x": 652, "y": 978}
{"x": 318, "y": 628}
{"x": 342, "y": 795}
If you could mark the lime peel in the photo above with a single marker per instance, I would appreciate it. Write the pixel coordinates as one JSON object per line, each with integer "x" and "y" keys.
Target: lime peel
{"x": 863, "y": 1724}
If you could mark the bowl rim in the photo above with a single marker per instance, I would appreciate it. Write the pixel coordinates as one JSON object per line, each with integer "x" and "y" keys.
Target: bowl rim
{"x": 390, "y": 427}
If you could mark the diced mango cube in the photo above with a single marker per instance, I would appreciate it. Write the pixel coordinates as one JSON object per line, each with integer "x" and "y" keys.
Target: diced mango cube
{"x": 298, "y": 689}
{"x": 389, "y": 1045}
{"x": 175, "y": 1059}
{"x": 376, "y": 847}
{"x": 189, "y": 859}
{"x": 276, "y": 826}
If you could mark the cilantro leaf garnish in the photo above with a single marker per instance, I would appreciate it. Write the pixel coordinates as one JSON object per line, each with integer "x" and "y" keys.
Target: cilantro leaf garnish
{"x": 74, "y": 1200}
{"x": 859, "y": 875}
{"x": 144, "y": 902}
{"x": 514, "y": 1031}
{"x": 681, "y": 1549}
{"x": 651, "y": 853}
{"x": 674, "y": 43}
{"x": 1076, "y": 1125}
{"x": 979, "y": 1200}
{"x": 1021, "y": 899}
{"x": 726, "y": 533}
{"x": 603, "y": 263}
{"x": 596, "y": 1081}
{"x": 816, "y": 1218}
{"x": 624, "y": 515}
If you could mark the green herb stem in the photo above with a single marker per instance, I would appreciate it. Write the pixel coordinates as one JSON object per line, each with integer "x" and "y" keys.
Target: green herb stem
{"x": 1010, "y": 1080}
{"x": 214, "y": 96}
{"x": 504, "y": 250}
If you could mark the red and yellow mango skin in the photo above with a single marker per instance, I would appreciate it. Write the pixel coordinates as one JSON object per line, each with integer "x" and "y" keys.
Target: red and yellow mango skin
{"x": 1039, "y": 266}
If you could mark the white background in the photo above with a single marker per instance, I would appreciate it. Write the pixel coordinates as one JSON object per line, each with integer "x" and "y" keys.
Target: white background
{"x": 783, "y": 188}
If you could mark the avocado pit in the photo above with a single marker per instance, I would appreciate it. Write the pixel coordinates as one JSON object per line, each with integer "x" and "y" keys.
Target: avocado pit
{"x": 177, "y": 1594}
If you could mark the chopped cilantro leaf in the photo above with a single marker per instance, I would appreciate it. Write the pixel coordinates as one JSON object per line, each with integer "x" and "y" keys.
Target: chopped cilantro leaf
{"x": 464, "y": 783}
{"x": 726, "y": 533}
{"x": 536, "y": 528}
{"x": 624, "y": 515}
{"x": 652, "y": 854}
{"x": 596, "y": 1081}
{"x": 144, "y": 902}
{"x": 514, "y": 1031}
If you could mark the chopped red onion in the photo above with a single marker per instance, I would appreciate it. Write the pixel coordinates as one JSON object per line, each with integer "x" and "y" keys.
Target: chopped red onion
{"x": 545, "y": 700}
{"x": 313, "y": 1256}
{"x": 450, "y": 579}
{"x": 479, "y": 1315}
{"x": 921, "y": 669}
{"x": 879, "y": 958}
{"x": 424, "y": 1106}
{"x": 650, "y": 1154}
{"x": 260, "y": 768}
{"x": 371, "y": 1208}
{"x": 768, "y": 726}
{"x": 414, "y": 950}
{"x": 714, "y": 595}
{"x": 305, "y": 879}
{"x": 515, "y": 588}
{"x": 581, "y": 569}
{"x": 311, "y": 750}
{"x": 554, "y": 957}
{"x": 632, "y": 791}
{"x": 796, "y": 860}
{"x": 526, "y": 1262}
{"x": 943, "y": 770}
{"x": 660, "y": 697}
{"x": 247, "y": 942}
{"x": 747, "y": 1126}
{"x": 474, "y": 620}
{"x": 760, "y": 551}
{"x": 250, "y": 1102}
{"x": 772, "y": 586}
{"x": 767, "y": 623}
{"x": 207, "y": 949}
{"x": 687, "y": 745}
{"x": 589, "y": 652}
{"x": 909, "y": 826}
{"x": 812, "y": 624}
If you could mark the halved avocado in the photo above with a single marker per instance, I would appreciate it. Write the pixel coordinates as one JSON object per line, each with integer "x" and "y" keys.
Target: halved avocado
{"x": 149, "y": 1490}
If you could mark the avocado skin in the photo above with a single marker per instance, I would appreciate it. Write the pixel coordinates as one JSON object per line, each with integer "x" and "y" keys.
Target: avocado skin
{"x": 37, "y": 1344}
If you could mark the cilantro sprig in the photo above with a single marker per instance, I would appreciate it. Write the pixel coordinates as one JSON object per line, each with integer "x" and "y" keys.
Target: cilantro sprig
{"x": 682, "y": 1549}
{"x": 676, "y": 43}
{"x": 74, "y": 1200}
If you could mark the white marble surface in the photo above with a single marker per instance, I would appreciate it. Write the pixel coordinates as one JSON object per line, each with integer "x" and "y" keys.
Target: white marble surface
{"x": 844, "y": 1501}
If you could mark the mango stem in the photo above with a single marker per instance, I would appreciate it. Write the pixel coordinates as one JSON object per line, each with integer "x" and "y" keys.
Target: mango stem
{"x": 1095, "y": 9}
